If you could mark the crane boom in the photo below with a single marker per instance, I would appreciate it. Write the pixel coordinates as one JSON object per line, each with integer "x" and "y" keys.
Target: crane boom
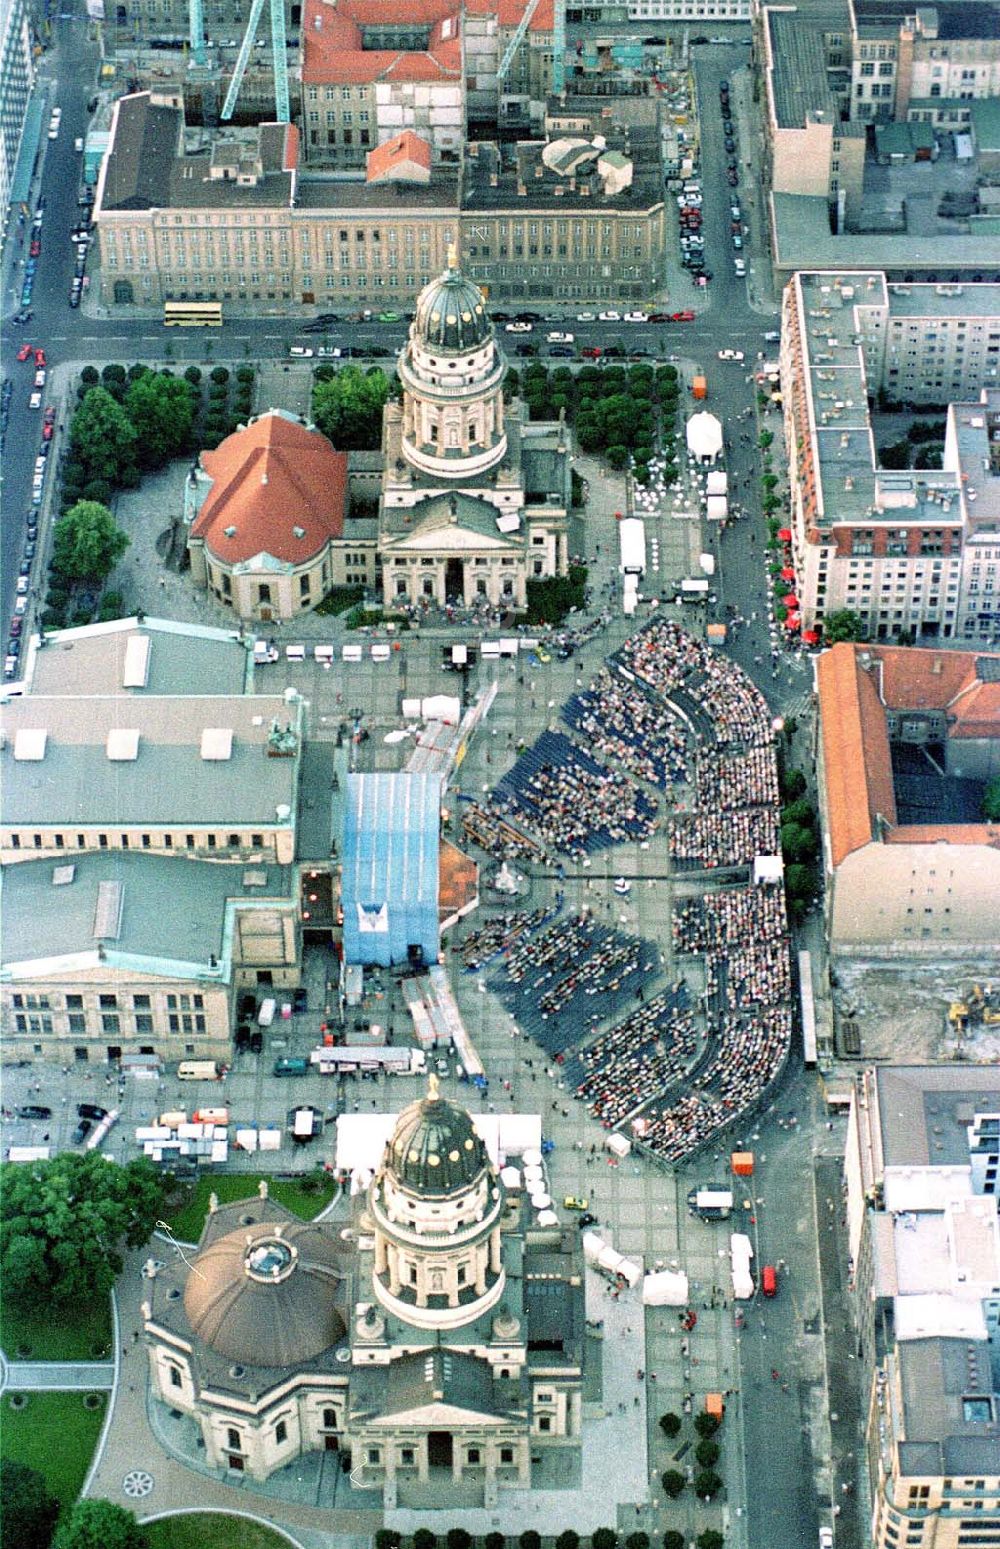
{"x": 516, "y": 40}
{"x": 279, "y": 57}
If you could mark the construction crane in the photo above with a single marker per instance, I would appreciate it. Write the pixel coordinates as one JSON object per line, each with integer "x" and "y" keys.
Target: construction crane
{"x": 279, "y": 56}
{"x": 558, "y": 43}
{"x": 196, "y": 33}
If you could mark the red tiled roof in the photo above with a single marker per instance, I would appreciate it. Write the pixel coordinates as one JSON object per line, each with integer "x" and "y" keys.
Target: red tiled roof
{"x": 946, "y": 833}
{"x": 922, "y": 679}
{"x": 857, "y": 767}
{"x": 334, "y": 52}
{"x": 392, "y": 158}
{"x": 976, "y": 711}
{"x": 267, "y": 480}
{"x": 509, "y": 13}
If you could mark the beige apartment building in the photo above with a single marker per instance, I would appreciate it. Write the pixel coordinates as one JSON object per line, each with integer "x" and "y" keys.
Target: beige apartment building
{"x": 909, "y": 550}
{"x": 921, "y": 1177}
{"x": 923, "y": 63}
{"x": 181, "y": 217}
{"x": 109, "y": 954}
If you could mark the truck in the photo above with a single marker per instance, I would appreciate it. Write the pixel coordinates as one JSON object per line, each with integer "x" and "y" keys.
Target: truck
{"x": 632, "y": 546}
{"x": 740, "y": 1255}
{"x": 263, "y": 652}
{"x": 695, "y": 589}
{"x": 699, "y": 387}
{"x": 710, "y": 1202}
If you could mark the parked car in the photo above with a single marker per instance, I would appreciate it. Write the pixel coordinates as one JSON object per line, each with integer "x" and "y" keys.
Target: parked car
{"x": 564, "y": 351}
{"x": 610, "y": 317}
{"x": 81, "y": 1132}
{"x": 91, "y": 1111}
{"x": 571, "y": 1202}
{"x": 256, "y": 1041}
{"x": 34, "y": 1111}
{"x": 24, "y": 352}
{"x": 636, "y": 317}
{"x": 521, "y": 327}
{"x": 560, "y": 338}
{"x": 300, "y": 999}
{"x": 731, "y": 355}
{"x": 686, "y": 316}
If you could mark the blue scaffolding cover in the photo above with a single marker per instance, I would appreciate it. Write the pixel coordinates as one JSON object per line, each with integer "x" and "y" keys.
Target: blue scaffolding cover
{"x": 390, "y": 868}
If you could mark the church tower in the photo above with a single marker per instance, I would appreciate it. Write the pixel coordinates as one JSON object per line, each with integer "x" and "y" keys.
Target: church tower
{"x": 452, "y": 371}
{"x": 436, "y": 1204}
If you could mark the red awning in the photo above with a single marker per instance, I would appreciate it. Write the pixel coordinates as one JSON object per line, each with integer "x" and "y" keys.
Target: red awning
{"x": 788, "y": 574}
{"x": 790, "y": 600}
{"x": 793, "y": 621}
{"x": 785, "y": 534}
{"x": 810, "y": 637}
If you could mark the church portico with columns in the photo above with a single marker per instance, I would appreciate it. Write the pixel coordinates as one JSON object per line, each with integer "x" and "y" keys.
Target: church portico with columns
{"x": 475, "y": 497}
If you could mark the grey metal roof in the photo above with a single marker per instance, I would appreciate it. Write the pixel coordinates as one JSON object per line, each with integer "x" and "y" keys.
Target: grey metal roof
{"x": 168, "y": 784}
{"x": 145, "y": 143}
{"x": 935, "y": 1376}
{"x": 924, "y": 1110}
{"x": 172, "y": 909}
{"x": 799, "y": 78}
{"x": 93, "y": 660}
{"x": 804, "y": 241}
{"x": 434, "y": 1376}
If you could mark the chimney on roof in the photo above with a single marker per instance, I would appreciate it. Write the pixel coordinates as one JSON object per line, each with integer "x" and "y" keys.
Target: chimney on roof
{"x": 936, "y": 666}
{"x": 263, "y": 478}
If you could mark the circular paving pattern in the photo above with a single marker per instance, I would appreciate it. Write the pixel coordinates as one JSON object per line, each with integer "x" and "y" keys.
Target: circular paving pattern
{"x": 137, "y": 1483}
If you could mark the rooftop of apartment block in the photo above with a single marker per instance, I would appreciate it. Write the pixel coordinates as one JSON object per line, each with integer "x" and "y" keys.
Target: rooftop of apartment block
{"x": 964, "y": 300}
{"x": 800, "y": 79}
{"x": 154, "y": 162}
{"x": 533, "y": 174}
{"x": 156, "y": 909}
{"x": 804, "y": 240}
{"x": 160, "y": 760}
{"x": 977, "y": 439}
{"x": 151, "y": 657}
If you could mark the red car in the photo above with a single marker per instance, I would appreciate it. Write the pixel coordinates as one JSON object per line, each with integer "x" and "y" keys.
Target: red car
{"x": 35, "y": 250}
{"x": 15, "y": 627}
{"x": 682, "y": 317}
{"x": 49, "y": 417}
{"x": 39, "y": 357}
{"x": 24, "y": 352}
{"x": 47, "y": 432}
{"x": 591, "y": 352}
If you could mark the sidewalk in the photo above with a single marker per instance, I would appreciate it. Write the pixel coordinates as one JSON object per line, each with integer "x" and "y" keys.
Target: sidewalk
{"x": 56, "y": 1376}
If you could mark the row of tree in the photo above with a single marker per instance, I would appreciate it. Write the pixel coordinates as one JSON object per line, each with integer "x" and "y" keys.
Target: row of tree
{"x": 601, "y": 1538}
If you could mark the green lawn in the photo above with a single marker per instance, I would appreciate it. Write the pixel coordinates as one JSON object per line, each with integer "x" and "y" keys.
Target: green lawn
{"x": 82, "y": 1333}
{"x": 211, "y": 1530}
{"x": 55, "y": 1434}
{"x": 185, "y": 1219}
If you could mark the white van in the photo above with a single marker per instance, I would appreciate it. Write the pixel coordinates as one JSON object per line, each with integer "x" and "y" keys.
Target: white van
{"x": 381, "y": 653}
{"x": 350, "y": 653}
{"x": 265, "y": 1015}
{"x": 199, "y": 1070}
{"x": 323, "y": 653}
{"x": 295, "y": 653}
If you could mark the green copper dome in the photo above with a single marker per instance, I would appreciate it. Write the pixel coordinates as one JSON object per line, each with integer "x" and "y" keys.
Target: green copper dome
{"x": 451, "y": 316}
{"x": 435, "y": 1148}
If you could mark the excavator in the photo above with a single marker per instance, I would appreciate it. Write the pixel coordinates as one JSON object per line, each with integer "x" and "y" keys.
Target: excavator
{"x": 981, "y": 1008}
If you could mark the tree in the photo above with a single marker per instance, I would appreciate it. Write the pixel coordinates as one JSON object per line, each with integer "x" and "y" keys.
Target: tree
{"x": 28, "y": 1510}
{"x": 529, "y": 1539}
{"x": 801, "y": 812}
{"x": 707, "y": 1482}
{"x": 674, "y": 1540}
{"x": 706, "y": 1424}
{"x": 797, "y": 843}
{"x": 388, "y": 1538}
{"x": 896, "y": 455}
{"x": 670, "y": 1424}
{"x": 638, "y": 1540}
{"x": 793, "y": 784}
{"x": 459, "y": 1538}
{"x": 604, "y": 1538}
{"x": 102, "y": 436}
{"x": 63, "y": 1223}
{"x": 161, "y": 409}
{"x": 100, "y": 1525}
{"x": 617, "y": 455}
{"x": 707, "y": 1452}
{"x": 423, "y": 1538}
{"x": 348, "y": 409}
{"x": 710, "y": 1539}
{"x": 673, "y": 1482}
{"x": 842, "y": 624}
{"x": 90, "y": 376}
{"x": 495, "y": 1541}
{"x": 86, "y": 543}
{"x": 991, "y": 801}
{"x": 568, "y": 1539}
{"x": 800, "y": 882}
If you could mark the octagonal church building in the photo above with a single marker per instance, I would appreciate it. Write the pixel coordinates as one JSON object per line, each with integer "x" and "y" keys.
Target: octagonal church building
{"x": 475, "y": 496}
{"x": 431, "y": 1335}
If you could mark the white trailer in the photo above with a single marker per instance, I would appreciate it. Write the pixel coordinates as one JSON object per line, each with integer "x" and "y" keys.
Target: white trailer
{"x": 632, "y": 546}
{"x": 740, "y": 1255}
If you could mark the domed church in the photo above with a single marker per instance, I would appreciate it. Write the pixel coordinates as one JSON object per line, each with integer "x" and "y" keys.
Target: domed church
{"x": 434, "y": 1336}
{"x": 475, "y": 497}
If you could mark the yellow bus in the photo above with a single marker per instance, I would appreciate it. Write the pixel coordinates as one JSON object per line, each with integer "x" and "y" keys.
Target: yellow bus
{"x": 192, "y": 314}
